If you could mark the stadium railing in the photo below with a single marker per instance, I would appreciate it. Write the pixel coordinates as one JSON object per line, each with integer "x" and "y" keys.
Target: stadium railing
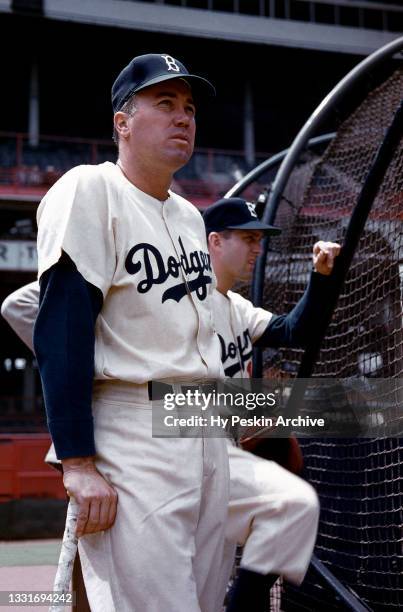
{"x": 26, "y": 169}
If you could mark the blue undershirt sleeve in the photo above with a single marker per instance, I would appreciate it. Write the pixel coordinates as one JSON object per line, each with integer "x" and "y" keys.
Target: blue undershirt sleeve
{"x": 64, "y": 339}
{"x": 295, "y": 328}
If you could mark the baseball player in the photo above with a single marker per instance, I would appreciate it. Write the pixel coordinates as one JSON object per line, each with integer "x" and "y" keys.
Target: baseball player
{"x": 125, "y": 299}
{"x": 267, "y": 503}
{"x": 272, "y": 512}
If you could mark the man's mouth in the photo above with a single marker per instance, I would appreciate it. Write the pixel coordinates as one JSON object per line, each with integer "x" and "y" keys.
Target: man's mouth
{"x": 181, "y": 137}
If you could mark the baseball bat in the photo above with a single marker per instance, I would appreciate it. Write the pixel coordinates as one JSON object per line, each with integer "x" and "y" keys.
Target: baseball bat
{"x": 67, "y": 555}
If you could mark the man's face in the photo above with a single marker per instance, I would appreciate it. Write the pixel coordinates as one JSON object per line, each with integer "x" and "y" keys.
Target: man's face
{"x": 162, "y": 128}
{"x": 239, "y": 252}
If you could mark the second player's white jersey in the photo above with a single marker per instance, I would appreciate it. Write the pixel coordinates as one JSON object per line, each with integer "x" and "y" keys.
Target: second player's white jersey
{"x": 150, "y": 260}
{"x": 238, "y": 324}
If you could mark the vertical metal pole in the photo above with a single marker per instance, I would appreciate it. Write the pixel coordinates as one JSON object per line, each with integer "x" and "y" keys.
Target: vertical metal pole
{"x": 312, "y": 12}
{"x": 249, "y": 127}
{"x": 33, "y": 118}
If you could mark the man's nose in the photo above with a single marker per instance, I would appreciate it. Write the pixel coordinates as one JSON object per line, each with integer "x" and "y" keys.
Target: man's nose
{"x": 257, "y": 248}
{"x": 181, "y": 117}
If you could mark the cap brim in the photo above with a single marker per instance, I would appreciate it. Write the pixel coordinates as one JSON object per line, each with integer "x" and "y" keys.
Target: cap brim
{"x": 199, "y": 84}
{"x": 257, "y": 225}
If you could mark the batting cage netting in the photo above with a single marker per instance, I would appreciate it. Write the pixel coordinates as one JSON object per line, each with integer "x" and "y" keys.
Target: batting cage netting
{"x": 358, "y": 480}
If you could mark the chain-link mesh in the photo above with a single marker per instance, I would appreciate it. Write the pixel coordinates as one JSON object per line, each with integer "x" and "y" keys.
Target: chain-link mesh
{"x": 358, "y": 480}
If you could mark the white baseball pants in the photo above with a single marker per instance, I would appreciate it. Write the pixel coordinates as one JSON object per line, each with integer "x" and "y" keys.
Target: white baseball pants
{"x": 273, "y": 514}
{"x": 165, "y": 550}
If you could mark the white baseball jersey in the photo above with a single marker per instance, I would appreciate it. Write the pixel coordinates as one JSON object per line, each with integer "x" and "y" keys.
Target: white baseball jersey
{"x": 20, "y": 310}
{"x": 238, "y": 324}
{"x": 150, "y": 260}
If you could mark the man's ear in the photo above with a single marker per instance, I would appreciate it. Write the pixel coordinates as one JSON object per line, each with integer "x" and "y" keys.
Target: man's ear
{"x": 121, "y": 122}
{"x": 214, "y": 239}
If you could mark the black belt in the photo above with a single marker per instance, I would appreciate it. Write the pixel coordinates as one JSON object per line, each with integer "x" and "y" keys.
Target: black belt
{"x": 158, "y": 390}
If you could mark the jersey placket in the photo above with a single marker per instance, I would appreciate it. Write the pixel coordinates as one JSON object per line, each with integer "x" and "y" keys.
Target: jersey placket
{"x": 189, "y": 293}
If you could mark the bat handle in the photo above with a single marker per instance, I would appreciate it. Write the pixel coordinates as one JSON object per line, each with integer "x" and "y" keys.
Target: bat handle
{"x": 67, "y": 556}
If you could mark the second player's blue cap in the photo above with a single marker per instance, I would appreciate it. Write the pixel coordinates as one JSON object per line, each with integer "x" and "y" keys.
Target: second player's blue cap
{"x": 235, "y": 213}
{"x": 150, "y": 69}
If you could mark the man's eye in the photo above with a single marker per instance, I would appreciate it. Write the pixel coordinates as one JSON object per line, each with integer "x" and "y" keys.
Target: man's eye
{"x": 191, "y": 110}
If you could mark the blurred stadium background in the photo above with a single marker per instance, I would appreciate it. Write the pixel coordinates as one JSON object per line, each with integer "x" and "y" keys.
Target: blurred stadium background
{"x": 272, "y": 62}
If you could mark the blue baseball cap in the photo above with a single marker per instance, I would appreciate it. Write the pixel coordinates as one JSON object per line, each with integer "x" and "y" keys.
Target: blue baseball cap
{"x": 235, "y": 213}
{"x": 150, "y": 69}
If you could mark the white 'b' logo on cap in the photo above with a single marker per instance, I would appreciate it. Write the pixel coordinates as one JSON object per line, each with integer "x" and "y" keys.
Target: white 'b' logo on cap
{"x": 171, "y": 63}
{"x": 251, "y": 208}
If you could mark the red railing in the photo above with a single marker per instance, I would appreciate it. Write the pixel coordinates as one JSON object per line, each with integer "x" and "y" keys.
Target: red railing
{"x": 27, "y": 170}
